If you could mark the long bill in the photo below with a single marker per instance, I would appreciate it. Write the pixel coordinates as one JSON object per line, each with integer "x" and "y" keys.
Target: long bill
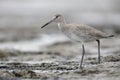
{"x": 48, "y": 22}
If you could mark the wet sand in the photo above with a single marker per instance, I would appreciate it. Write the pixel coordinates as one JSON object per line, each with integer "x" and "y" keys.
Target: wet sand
{"x": 60, "y": 61}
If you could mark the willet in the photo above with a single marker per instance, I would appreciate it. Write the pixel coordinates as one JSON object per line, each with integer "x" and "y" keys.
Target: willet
{"x": 79, "y": 33}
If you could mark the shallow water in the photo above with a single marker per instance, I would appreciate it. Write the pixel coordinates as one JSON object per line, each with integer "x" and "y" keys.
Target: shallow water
{"x": 34, "y": 44}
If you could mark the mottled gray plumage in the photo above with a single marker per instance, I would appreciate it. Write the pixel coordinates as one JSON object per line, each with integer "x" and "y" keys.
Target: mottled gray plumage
{"x": 82, "y": 33}
{"x": 79, "y": 33}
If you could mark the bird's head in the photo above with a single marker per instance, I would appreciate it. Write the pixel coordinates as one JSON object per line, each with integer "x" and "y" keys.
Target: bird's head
{"x": 57, "y": 19}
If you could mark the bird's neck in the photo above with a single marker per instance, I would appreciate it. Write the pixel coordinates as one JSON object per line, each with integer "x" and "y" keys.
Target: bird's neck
{"x": 61, "y": 23}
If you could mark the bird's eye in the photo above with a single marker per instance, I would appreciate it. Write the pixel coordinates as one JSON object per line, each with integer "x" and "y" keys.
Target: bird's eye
{"x": 57, "y": 16}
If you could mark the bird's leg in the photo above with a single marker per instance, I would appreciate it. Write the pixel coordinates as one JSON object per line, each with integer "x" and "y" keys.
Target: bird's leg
{"x": 98, "y": 51}
{"x": 83, "y": 53}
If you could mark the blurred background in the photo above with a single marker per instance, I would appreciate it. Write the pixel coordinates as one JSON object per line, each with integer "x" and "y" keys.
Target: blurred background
{"x": 20, "y": 20}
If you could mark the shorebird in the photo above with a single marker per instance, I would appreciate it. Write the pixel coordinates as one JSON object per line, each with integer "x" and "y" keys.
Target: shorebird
{"x": 79, "y": 33}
